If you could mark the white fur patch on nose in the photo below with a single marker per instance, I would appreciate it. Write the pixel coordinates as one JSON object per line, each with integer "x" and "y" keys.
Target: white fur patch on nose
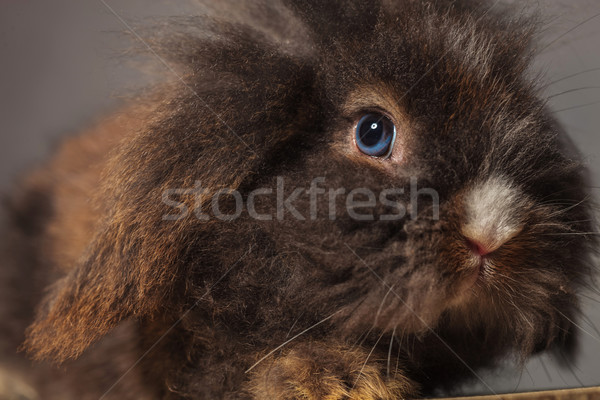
{"x": 493, "y": 212}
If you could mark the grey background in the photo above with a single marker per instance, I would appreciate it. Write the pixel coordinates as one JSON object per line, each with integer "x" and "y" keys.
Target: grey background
{"x": 61, "y": 67}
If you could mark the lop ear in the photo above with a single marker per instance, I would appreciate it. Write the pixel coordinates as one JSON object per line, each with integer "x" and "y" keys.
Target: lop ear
{"x": 133, "y": 266}
{"x": 209, "y": 130}
{"x": 110, "y": 285}
{"x": 129, "y": 270}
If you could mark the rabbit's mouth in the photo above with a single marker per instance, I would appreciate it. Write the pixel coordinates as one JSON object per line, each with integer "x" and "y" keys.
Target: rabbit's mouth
{"x": 480, "y": 262}
{"x": 479, "y": 254}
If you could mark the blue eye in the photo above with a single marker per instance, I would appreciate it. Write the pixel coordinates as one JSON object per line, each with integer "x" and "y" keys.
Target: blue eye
{"x": 375, "y": 135}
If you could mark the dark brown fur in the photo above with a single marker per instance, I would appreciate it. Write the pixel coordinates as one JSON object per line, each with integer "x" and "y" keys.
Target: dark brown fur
{"x": 211, "y": 298}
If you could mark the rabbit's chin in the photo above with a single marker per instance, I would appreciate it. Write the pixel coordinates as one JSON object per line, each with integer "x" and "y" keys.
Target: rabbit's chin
{"x": 410, "y": 312}
{"x": 536, "y": 314}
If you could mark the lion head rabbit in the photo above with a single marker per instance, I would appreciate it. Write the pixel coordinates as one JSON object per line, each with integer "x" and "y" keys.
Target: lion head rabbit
{"x": 339, "y": 200}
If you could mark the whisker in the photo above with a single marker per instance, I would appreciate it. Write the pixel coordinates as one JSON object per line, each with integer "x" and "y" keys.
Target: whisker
{"x": 389, "y": 359}
{"x": 581, "y": 221}
{"x": 569, "y": 365}
{"x": 579, "y": 89}
{"x": 562, "y": 377}
{"x": 589, "y": 298}
{"x": 381, "y": 305}
{"x": 429, "y": 328}
{"x": 572, "y": 233}
{"x": 593, "y": 289}
{"x": 543, "y": 207}
{"x": 361, "y": 335}
{"x": 399, "y": 352}
{"x": 366, "y": 361}
{"x": 523, "y": 370}
{"x": 569, "y": 31}
{"x": 559, "y": 202}
{"x": 545, "y": 368}
{"x": 564, "y": 78}
{"x": 587, "y": 198}
{"x": 589, "y": 321}
{"x": 293, "y": 325}
{"x": 576, "y": 107}
{"x": 576, "y": 325}
{"x": 505, "y": 276}
{"x": 554, "y": 224}
{"x": 361, "y": 339}
{"x": 290, "y": 340}
{"x": 557, "y": 192}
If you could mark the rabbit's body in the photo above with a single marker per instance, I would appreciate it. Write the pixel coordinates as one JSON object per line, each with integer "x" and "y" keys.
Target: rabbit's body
{"x": 364, "y": 309}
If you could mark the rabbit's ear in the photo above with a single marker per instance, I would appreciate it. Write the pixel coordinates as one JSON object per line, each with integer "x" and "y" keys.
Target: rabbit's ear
{"x": 92, "y": 299}
{"x": 333, "y": 19}
{"x": 130, "y": 270}
{"x": 138, "y": 262}
{"x": 133, "y": 266}
{"x": 219, "y": 132}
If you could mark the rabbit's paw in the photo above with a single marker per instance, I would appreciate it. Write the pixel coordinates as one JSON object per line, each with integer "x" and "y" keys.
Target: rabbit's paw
{"x": 321, "y": 372}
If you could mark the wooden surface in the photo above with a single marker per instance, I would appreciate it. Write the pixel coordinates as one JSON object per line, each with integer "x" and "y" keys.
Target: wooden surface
{"x": 592, "y": 393}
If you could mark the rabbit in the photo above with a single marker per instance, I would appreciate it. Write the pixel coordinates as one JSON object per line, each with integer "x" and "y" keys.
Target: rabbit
{"x": 359, "y": 199}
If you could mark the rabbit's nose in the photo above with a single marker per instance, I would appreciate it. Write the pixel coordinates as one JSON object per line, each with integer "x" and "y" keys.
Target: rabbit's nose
{"x": 493, "y": 214}
{"x": 478, "y": 248}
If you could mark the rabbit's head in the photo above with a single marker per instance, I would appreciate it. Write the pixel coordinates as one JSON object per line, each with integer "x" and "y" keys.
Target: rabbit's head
{"x": 394, "y": 168}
